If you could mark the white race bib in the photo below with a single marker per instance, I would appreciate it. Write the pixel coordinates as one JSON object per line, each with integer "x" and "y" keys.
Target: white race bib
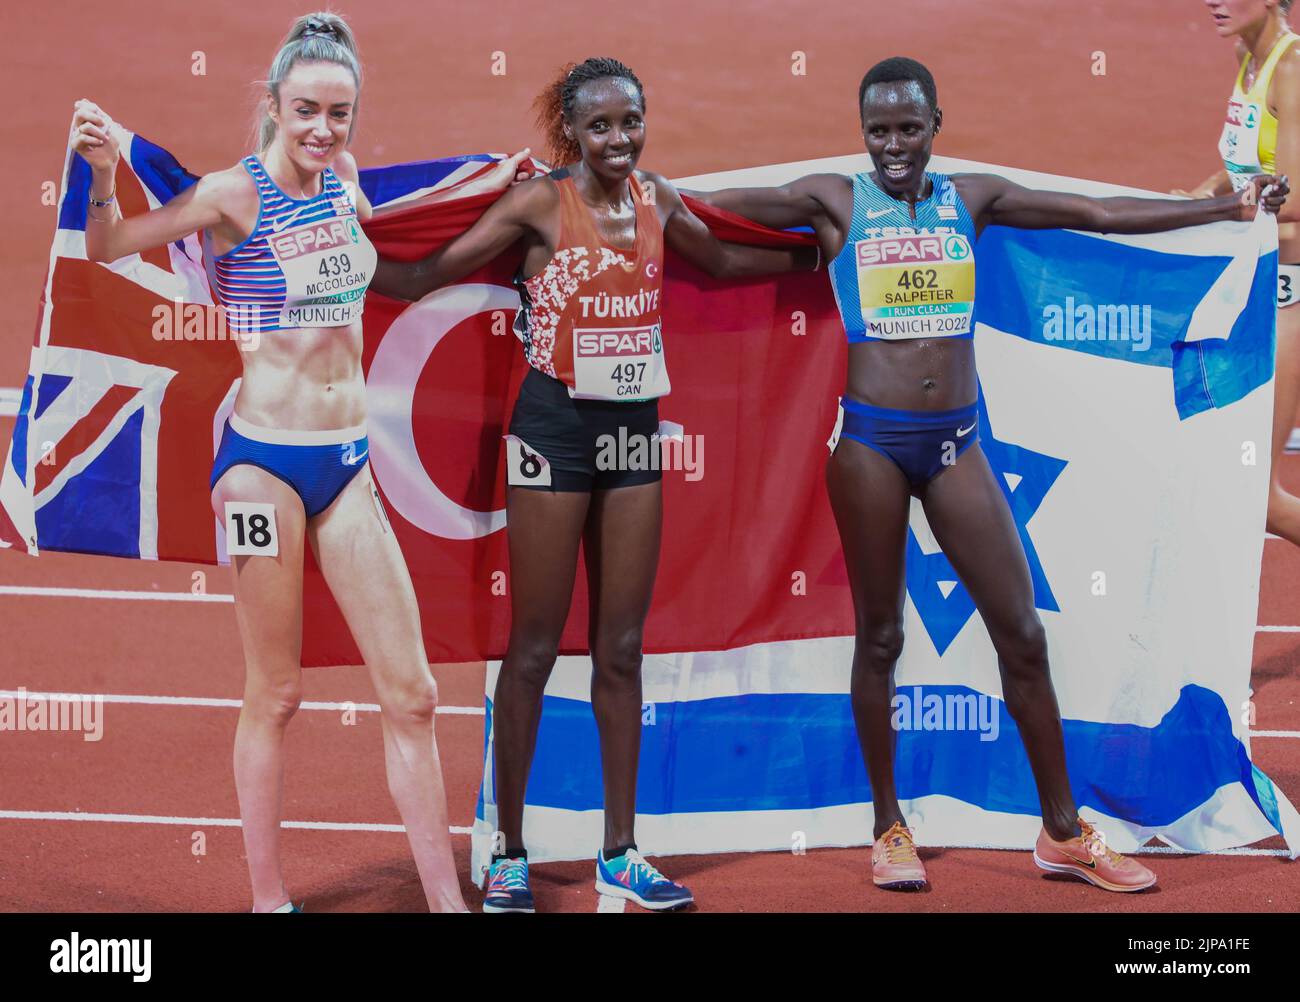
{"x": 1239, "y": 143}
{"x": 327, "y": 266}
{"x": 524, "y": 467}
{"x": 619, "y": 363}
{"x": 250, "y": 529}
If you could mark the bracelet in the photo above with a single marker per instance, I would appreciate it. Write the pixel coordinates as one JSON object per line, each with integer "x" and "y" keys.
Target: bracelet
{"x": 104, "y": 204}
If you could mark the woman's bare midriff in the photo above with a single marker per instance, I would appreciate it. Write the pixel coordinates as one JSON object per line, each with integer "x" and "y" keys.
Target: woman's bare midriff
{"x": 916, "y": 375}
{"x": 308, "y": 379}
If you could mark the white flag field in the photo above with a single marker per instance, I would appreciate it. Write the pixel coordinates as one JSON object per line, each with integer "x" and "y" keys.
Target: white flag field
{"x": 1126, "y": 400}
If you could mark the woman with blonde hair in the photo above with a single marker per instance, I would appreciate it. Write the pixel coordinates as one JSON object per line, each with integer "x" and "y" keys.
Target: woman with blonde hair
{"x": 291, "y": 265}
{"x": 1261, "y": 135}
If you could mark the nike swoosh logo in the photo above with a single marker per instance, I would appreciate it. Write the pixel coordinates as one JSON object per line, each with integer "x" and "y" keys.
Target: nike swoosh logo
{"x": 965, "y": 431}
{"x": 351, "y": 460}
{"x": 1091, "y": 864}
{"x": 876, "y": 214}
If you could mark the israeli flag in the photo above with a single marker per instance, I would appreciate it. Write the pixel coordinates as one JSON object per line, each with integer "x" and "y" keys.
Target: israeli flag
{"x": 1125, "y": 406}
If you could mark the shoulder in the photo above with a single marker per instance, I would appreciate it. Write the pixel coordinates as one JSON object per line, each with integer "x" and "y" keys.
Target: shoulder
{"x": 345, "y": 166}
{"x": 1288, "y": 66}
{"x": 227, "y": 188}
{"x": 654, "y": 183}
{"x": 831, "y": 185}
{"x": 533, "y": 199}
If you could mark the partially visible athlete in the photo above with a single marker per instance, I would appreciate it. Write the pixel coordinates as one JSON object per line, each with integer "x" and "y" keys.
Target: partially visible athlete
{"x": 292, "y": 266}
{"x": 901, "y": 245}
{"x": 1261, "y": 135}
{"x": 593, "y": 233}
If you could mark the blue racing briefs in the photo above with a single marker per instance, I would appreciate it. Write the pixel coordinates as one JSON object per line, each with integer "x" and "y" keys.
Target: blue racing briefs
{"x": 316, "y": 464}
{"x": 920, "y": 443}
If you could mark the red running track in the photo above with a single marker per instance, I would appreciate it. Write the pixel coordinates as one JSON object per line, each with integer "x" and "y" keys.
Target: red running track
{"x": 1018, "y": 86}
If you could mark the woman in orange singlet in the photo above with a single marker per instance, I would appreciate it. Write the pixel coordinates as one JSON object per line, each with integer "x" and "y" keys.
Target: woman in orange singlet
{"x": 593, "y": 234}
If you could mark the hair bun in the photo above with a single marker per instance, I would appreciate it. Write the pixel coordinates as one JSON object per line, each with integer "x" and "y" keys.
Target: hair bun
{"x": 315, "y": 26}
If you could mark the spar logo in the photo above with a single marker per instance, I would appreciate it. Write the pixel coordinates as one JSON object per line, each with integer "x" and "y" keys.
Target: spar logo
{"x": 927, "y": 249}
{"x": 617, "y": 343}
{"x": 315, "y": 237}
{"x": 1234, "y": 112}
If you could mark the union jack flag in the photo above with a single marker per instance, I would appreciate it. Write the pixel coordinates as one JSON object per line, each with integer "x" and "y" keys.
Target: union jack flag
{"x": 103, "y": 456}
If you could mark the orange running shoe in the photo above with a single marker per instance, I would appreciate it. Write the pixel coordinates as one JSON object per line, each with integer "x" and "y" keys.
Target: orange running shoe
{"x": 1088, "y": 856}
{"x": 894, "y": 862}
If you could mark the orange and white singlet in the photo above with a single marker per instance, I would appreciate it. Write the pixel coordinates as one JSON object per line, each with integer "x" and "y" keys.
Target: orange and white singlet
{"x": 591, "y": 317}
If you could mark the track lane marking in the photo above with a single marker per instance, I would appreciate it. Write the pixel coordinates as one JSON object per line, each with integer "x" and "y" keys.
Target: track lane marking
{"x": 362, "y": 826}
{"x": 163, "y": 819}
{"x": 466, "y": 711}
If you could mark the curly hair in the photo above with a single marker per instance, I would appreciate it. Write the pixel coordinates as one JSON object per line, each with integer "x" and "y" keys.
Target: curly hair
{"x": 554, "y": 105}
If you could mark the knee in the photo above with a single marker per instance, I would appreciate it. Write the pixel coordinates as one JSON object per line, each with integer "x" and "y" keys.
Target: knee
{"x": 618, "y": 655}
{"x": 879, "y": 645}
{"x": 273, "y": 702}
{"x": 412, "y": 700}
{"x": 1022, "y": 649}
{"x": 530, "y": 660}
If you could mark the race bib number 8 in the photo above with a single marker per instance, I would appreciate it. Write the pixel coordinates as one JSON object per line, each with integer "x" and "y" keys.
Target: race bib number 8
{"x": 916, "y": 286}
{"x": 250, "y": 529}
{"x": 524, "y": 467}
{"x": 619, "y": 363}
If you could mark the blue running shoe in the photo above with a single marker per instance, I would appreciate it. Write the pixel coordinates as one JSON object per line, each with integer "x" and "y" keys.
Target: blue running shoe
{"x": 507, "y": 887}
{"x": 630, "y": 876}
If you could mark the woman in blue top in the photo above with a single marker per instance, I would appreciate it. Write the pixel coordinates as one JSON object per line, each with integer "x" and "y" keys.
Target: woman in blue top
{"x": 292, "y": 266}
{"x": 900, "y": 242}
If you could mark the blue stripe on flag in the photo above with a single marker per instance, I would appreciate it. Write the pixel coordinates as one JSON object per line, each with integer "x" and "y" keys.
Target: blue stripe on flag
{"x": 1216, "y": 373}
{"x": 800, "y": 751}
{"x": 383, "y": 184}
{"x": 18, "y": 453}
{"x": 98, "y": 510}
{"x": 1022, "y": 280}
{"x": 52, "y": 385}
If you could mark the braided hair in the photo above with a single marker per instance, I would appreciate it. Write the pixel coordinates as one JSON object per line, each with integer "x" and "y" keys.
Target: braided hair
{"x": 554, "y": 105}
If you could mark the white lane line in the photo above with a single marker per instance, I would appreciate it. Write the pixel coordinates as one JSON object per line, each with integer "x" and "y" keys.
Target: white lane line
{"x": 609, "y": 903}
{"x": 10, "y": 397}
{"x": 1275, "y": 734}
{"x": 362, "y": 826}
{"x": 72, "y": 697}
{"x": 136, "y": 596}
{"x": 1149, "y": 850}
{"x": 162, "y": 819}
{"x": 186, "y": 596}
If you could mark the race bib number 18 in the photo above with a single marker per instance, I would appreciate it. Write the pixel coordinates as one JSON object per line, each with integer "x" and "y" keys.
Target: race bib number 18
{"x": 250, "y": 529}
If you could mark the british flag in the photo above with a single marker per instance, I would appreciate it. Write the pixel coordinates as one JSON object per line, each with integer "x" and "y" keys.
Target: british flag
{"x": 103, "y": 456}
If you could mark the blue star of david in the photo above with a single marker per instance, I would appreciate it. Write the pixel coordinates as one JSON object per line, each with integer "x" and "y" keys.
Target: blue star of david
{"x": 941, "y": 600}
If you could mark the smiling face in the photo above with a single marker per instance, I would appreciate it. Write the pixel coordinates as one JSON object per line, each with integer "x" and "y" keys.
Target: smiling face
{"x": 899, "y": 126}
{"x": 608, "y": 121}
{"x": 1232, "y": 17}
{"x": 314, "y": 113}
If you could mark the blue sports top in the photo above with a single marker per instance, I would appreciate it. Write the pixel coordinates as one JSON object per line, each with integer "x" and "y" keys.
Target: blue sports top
{"x": 307, "y": 262}
{"x": 899, "y": 278}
